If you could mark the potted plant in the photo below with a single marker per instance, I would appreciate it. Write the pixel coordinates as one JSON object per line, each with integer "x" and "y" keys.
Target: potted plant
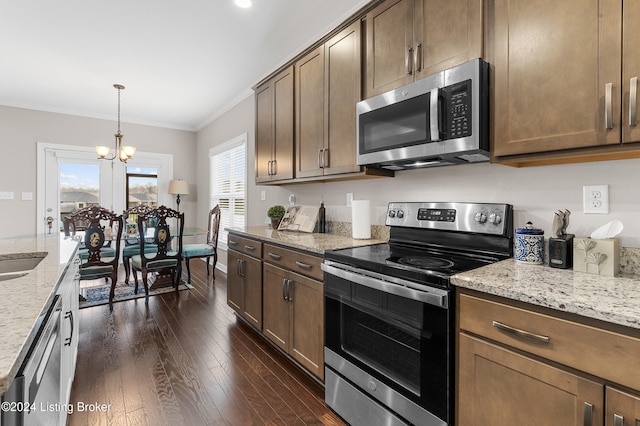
{"x": 275, "y": 213}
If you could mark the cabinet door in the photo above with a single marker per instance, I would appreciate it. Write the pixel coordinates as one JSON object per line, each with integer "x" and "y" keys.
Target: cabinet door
{"x": 551, "y": 63}
{"x": 310, "y": 113}
{"x": 447, "y": 33}
{"x": 252, "y": 277}
{"x": 630, "y": 70}
{"x": 499, "y": 387}
{"x": 275, "y": 307}
{"x": 389, "y": 46}
{"x": 623, "y": 409}
{"x": 307, "y": 323}
{"x": 264, "y": 132}
{"x": 283, "y": 125}
{"x": 342, "y": 92}
{"x": 234, "y": 281}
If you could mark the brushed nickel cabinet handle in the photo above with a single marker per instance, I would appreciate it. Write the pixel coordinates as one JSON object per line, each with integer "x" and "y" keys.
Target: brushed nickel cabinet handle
{"x": 274, "y": 167}
{"x": 608, "y": 112}
{"x": 417, "y": 58}
{"x": 303, "y": 265}
{"x": 269, "y": 168}
{"x": 587, "y": 414}
{"x": 521, "y": 333}
{"x": 633, "y": 101}
{"x": 325, "y": 162}
{"x": 407, "y": 60}
{"x": 250, "y": 248}
{"x": 618, "y": 420}
{"x": 284, "y": 289}
{"x": 319, "y": 161}
{"x": 289, "y": 298}
{"x": 275, "y": 256}
{"x": 232, "y": 243}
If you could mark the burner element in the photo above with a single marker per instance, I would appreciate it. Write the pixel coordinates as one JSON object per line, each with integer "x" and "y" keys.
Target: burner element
{"x": 426, "y": 262}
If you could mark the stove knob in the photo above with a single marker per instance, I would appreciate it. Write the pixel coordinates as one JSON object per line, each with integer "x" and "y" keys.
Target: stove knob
{"x": 392, "y": 213}
{"x": 372, "y": 385}
{"x": 400, "y": 214}
{"x": 480, "y": 217}
{"x": 495, "y": 218}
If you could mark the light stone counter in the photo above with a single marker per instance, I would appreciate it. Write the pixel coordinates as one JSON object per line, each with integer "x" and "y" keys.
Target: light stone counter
{"x": 612, "y": 299}
{"x": 24, "y": 299}
{"x": 315, "y": 243}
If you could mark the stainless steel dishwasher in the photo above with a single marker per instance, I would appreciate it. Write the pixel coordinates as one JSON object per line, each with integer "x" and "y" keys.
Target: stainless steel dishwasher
{"x": 34, "y": 396}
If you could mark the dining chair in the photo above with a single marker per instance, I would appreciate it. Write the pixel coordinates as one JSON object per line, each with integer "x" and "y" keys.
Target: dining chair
{"x": 78, "y": 219}
{"x": 164, "y": 258}
{"x": 132, "y": 242}
{"x": 208, "y": 249}
{"x": 98, "y": 262}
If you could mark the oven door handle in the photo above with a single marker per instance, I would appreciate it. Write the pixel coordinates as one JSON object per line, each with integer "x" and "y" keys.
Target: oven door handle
{"x": 399, "y": 287}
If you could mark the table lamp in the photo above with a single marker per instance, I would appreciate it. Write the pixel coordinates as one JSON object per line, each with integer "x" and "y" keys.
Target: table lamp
{"x": 178, "y": 187}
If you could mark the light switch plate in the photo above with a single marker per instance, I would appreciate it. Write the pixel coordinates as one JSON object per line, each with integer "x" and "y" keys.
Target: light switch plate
{"x": 6, "y": 195}
{"x": 27, "y": 196}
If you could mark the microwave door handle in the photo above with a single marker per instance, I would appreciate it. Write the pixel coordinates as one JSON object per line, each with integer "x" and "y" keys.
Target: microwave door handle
{"x": 433, "y": 115}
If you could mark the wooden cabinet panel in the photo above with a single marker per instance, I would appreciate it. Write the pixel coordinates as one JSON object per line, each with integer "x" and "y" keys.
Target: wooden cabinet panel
{"x": 551, "y": 64}
{"x": 244, "y": 279}
{"x": 630, "y": 68}
{"x": 389, "y": 40}
{"x": 276, "y": 321}
{"x": 274, "y": 128}
{"x": 500, "y": 387}
{"x": 252, "y": 276}
{"x": 302, "y": 263}
{"x": 245, "y": 245}
{"x": 462, "y": 41}
{"x": 307, "y": 321}
{"x": 622, "y": 409}
{"x": 234, "y": 281}
{"x": 596, "y": 351}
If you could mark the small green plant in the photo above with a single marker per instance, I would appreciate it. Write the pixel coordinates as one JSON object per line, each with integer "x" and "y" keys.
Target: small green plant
{"x": 276, "y": 212}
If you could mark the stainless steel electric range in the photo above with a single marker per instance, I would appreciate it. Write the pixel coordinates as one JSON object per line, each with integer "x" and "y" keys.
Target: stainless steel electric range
{"x": 389, "y": 311}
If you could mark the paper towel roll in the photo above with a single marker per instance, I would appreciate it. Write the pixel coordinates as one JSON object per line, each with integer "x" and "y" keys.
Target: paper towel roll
{"x": 361, "y": 219}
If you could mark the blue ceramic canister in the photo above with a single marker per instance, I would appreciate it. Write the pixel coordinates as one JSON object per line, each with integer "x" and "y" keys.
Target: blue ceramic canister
{"x": 529, "y": 244}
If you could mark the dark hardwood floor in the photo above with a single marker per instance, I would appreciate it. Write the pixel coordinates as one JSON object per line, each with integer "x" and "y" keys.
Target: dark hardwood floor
{"x": 184, "y": 359}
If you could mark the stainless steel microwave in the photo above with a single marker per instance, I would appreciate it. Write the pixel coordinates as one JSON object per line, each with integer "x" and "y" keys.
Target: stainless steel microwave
{"x": 439, "y": 120}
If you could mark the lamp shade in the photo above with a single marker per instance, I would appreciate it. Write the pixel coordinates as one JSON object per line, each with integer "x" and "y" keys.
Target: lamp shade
{"x": 178, "y": 187}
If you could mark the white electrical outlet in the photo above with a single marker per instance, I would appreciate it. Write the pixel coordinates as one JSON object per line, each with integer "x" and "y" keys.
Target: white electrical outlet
{"x": 595, "y": 199}
{"x": 263, "y": 195}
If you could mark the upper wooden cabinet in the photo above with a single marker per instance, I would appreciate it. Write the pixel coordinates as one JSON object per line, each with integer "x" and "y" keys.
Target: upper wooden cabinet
{"x": 562, "y": 75}
{"x": 274, "y": 128}
{"x": 411, "y": 39}
{"x": 327, "y": 89}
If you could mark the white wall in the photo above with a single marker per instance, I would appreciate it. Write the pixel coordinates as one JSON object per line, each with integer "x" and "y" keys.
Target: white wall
{"x": 22, "y": 129}
{"x": 534, "y": 192}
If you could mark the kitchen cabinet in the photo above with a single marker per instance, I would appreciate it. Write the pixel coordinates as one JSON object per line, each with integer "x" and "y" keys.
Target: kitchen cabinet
{"x": 274, "y": 128}
{"x": 407, "y": 40}
{"x": 244, "y": 279}
{"x": 293, "y": 306}
{"x": 622, "y": 408}
{"x": 525, "y": 364}
{"x": 327, "y": 89}
{"x": 564, "y": 78}
{"x": 69, "y": 291}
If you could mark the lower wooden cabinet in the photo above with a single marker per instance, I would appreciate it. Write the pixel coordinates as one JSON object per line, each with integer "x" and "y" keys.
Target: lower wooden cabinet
{"x": 518, "y": 364}
{"x": 498, "y": 386}
{"x": 293, "y": 319}
{"x": 244, "y": 286}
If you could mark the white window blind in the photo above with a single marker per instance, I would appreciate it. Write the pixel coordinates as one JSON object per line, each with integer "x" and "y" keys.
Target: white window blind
{"x": 228, "y": 183}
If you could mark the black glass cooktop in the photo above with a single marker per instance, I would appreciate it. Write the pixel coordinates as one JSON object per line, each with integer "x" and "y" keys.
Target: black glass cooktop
{"x": 425, "y": 265}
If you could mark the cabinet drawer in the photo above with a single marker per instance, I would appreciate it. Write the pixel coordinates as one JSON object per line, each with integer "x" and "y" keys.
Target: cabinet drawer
{"x": 604, "y": 353}
{"x": 245, "y": 245}
{"x": 301, "y": 263}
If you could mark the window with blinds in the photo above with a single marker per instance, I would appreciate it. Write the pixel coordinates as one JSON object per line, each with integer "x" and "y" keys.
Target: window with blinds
{"x": 228, "y": 183}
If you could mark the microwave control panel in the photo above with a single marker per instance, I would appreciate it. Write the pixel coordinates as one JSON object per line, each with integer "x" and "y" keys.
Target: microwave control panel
{"x": 458, "y": 108}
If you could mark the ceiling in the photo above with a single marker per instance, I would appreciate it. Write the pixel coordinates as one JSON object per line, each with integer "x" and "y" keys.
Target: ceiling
{"x": 182, "y": 62}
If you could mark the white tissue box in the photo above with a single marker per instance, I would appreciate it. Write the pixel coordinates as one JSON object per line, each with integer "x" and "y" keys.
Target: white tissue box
{"x": 601, "y": 257}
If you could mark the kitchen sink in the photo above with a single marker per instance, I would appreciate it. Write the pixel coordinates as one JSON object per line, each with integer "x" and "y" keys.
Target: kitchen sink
{"x": 16, "y": 265}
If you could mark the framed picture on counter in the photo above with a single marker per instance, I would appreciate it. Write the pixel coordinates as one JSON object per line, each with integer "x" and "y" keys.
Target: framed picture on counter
{"x": 299, "y": 218}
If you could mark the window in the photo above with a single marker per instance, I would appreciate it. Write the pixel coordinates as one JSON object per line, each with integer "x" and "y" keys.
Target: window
{"x": 227, "y": 164}
{"x": 142, "y": 186}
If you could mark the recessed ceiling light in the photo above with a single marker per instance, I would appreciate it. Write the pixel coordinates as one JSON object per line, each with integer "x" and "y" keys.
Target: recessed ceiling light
{"x": 243, "y": 3}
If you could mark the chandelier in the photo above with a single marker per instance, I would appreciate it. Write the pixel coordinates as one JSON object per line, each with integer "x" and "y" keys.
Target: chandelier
{"x": 122, "y": 152}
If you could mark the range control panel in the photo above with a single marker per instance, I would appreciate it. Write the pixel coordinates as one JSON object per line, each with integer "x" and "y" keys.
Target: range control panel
{"x": 485, "y": 218}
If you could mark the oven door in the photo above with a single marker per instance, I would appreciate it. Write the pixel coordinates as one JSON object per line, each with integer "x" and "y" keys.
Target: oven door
{"x": 392, "y": 340}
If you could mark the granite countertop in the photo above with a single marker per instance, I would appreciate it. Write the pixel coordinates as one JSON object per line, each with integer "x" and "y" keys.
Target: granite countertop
{"x": 315, "y": 243}
{"x": 611, "y": 299}
{"x": 24, "y": 299}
